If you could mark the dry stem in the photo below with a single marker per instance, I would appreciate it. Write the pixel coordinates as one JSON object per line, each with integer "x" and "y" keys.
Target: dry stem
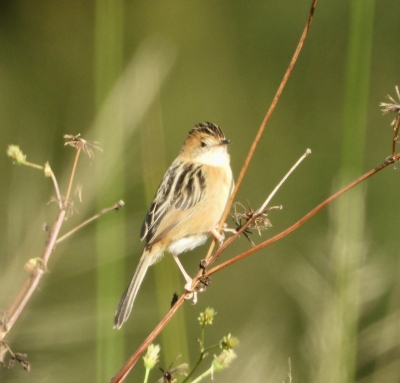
{"x": 38, "y": 267}
{"x": 296, "y": 225}
{"x": 106, "y": 210}
{"x": 265, "y": 121}
{"x": 59, "y": 199}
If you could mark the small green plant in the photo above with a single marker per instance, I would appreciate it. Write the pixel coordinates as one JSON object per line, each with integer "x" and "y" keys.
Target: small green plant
{"x": 219, "y": 362}
{"x": 226, "y": 344}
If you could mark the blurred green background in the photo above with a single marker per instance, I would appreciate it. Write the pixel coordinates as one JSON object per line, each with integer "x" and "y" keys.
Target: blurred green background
{"x": 137, "y": 76}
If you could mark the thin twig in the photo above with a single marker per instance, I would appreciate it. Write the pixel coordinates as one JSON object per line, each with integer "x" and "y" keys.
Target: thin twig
{"x": 116, "y": 206}
{"x": 16, "y": 301}
{"x": 290, "y": 371}
{"x": 296, "y": 225}
{"x": 265, "y": 121}
{"x": 34, "y": 279}
{"x": 78, "y": 151}
{"x": 32, "y": 165}
{"x": 258, "y": 213}
{"x": 395, "y": 134}
{"x": 130, "y": 363}
{"x": 300, "y": 160}
{"x": 55, "y": 183}
{"x": 393, "y": 107}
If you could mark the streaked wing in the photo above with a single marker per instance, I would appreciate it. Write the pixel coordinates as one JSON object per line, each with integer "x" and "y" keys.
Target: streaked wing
{"x": 181, "y": 188}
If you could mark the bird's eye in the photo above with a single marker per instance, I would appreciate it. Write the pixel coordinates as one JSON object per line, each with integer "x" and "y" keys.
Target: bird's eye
{"x": 203, "y": 144}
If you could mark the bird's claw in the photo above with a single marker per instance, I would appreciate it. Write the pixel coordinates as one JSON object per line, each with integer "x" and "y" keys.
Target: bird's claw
{"x": 220, "y": 237}
{"x": 192, "y": 293}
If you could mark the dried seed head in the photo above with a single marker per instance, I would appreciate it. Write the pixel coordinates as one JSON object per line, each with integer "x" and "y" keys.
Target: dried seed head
{"x": 392, "y": 107}
{"x": 80, "y": 143}
{"x": 260, "y": 223}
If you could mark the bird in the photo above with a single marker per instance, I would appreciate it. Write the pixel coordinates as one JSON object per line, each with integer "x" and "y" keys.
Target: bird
{"x": 186, "y": 208}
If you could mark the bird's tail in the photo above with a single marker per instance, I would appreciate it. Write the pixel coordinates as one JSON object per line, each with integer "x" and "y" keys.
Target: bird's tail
{"x": 126, "y": 302}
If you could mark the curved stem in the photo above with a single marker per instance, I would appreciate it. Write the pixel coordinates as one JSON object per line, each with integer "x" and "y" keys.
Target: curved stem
{"x": 265, "y": 121}
{"x": 300, "y": 222}
{"x": 71, "y": 179}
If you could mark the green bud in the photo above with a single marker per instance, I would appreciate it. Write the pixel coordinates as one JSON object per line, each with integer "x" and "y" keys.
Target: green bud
{"x": 47, "y": 170}
{"x": 15, "y": 152}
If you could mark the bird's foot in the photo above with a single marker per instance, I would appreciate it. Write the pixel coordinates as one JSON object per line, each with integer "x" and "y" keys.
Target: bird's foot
{"x": 220, "y": 237}
{"x": 192, "y": 293}
{"x": 227, "y": 229}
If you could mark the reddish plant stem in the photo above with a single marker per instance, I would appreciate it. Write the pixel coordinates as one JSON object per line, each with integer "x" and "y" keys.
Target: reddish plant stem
{"x": 39, "y": 270}
{"x": 20, "y": 295}
{"x": 296, "y": 225}
{"x": 395, "y": 135}
{"x": 78, "y": 151}
{"x": 33, "y": 280}
{"x": 265, "y": 121}
{"x": 122, "y": 374}
{"x": 119, "y": 205}
{"x": 55, "y": 183}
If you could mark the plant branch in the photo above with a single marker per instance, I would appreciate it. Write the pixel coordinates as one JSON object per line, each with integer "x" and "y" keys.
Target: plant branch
{"x": 32, "y": 165}
{"x": 396, "y": 126}
{"x": 265, "y": 121}
{"x": 387, "y": 162}
{"x": 78, "y": 151}
{"x": 124, "y": 371}
{"x": 33, "y": 280}
{"x": 38, "y": 267}
{"x": 203, "y": 354}
{"x": 256, "y": 214}
{"x": 116, "y": 206}
{"x": 55, "y": 183}
{"x": 265, "y": 204}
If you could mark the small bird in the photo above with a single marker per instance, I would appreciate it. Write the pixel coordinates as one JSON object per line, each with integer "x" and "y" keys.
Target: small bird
{"x": 187, "y": 207}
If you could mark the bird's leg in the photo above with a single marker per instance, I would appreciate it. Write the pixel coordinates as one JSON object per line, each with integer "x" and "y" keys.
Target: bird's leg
{"x": 220, "y": 237}
{"x": 188, "y": 285}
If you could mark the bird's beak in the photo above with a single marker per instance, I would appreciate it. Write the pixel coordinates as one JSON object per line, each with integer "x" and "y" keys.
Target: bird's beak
{"x": 224, "y": 142}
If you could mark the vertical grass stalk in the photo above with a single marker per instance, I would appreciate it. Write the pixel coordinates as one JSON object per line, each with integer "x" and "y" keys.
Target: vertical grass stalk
{"x": 348, "y": 214}
{"x": 110, "y": 234}
{"x": 167, "y": 277}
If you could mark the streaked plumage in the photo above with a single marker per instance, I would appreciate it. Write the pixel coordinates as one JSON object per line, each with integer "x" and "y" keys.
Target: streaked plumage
{"x": 187, "y": 206}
